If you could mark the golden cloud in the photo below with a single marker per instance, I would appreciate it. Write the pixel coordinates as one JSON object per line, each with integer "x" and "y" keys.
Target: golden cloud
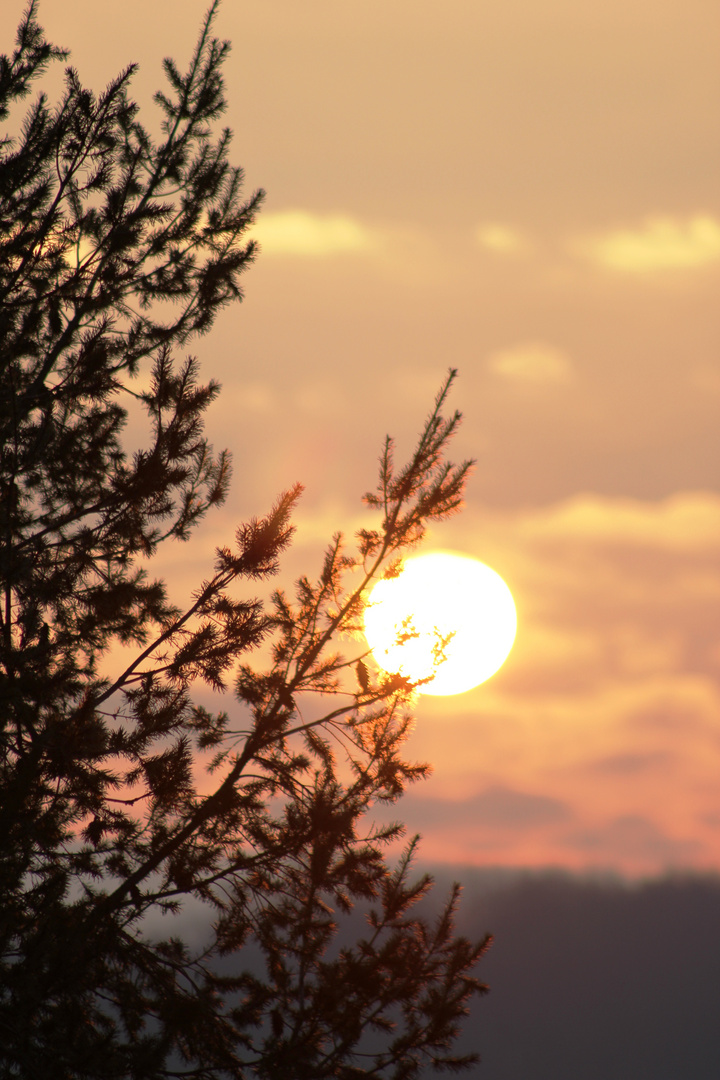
{"x": 660, "y": 243}
{"x": 531, "y": 362}
{"x": 299, "y": 232}
{"x": 502, "y": 239}
{"x": 687, "y": 521}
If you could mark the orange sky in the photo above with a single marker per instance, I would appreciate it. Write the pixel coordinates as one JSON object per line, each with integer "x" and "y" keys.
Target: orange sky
{"x": 528, "y": 192}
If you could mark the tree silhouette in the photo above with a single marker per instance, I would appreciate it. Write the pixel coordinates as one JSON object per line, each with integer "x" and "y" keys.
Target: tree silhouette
{"x": 122, "y": 797}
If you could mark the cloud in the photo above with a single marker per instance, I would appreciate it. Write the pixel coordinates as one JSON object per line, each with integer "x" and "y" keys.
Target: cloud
{"x": 635, "y": 837}
{"x": 507, "y": 808}
{"x": 531, "y": 362}
{"x": 628, "y": 764}
{"x": 299, "y": 232}
{"x": 688, "y": 521}
{"x": 502, "y": 239}
{"x": 495, "y": 807}
{"x": 255, "y": 397}
{"x": 660, "y": 243}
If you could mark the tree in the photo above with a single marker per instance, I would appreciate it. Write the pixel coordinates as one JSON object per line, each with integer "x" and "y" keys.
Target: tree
{"x": 116, "y": 251}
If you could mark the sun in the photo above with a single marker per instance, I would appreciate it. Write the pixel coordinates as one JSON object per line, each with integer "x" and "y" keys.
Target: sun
{"x": 446, "y": 616}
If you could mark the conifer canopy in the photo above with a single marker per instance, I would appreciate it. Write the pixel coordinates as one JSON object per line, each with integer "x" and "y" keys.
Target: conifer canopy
{"x": 122, "y": 797}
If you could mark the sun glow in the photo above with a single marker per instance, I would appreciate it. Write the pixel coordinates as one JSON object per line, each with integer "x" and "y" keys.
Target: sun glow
{"x": 445, "y": 617}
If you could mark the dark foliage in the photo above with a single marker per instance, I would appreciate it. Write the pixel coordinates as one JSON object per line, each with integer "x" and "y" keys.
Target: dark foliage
{"x": 121, "y": 797}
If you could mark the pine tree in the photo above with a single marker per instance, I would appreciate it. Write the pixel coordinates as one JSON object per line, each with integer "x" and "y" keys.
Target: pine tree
{"x": 115, "y": 252}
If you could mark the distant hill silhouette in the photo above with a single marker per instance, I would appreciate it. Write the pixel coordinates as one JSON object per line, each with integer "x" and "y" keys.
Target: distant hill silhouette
{"x": 594, "y": 980}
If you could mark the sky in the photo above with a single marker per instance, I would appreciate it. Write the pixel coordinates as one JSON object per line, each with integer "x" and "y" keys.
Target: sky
{"x": 528, "y": 193}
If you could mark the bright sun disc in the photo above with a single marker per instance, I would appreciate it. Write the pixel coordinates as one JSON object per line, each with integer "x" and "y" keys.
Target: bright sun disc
{"x": 408, "y": 618}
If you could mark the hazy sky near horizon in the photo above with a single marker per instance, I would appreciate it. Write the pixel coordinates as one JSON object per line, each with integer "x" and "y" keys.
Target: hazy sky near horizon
{"x": 527, "y": 192}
